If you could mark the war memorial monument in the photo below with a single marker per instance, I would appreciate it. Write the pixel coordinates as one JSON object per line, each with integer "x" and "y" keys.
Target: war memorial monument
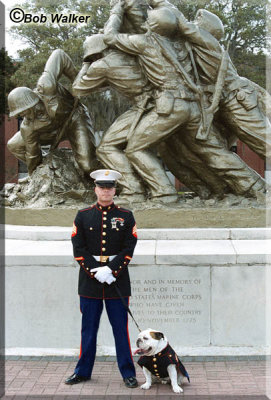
{"x": 201, "y": 263}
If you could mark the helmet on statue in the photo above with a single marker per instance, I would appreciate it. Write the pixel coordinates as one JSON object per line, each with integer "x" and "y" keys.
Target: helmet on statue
{"x": 21, "y": 99}
{"x": 162, "y": 21}
{"x": 210, "y": 22}
{"x": 93, "y": 45}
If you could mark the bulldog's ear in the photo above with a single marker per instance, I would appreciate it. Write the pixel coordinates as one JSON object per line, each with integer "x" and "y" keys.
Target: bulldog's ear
{"x": 157, "y": 335}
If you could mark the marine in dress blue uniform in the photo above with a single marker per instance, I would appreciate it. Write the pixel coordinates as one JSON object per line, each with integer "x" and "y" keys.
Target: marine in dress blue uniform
{"x": 104, "y": 238}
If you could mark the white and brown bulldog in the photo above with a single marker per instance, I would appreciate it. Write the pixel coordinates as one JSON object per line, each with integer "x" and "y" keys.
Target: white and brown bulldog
{"x": 159, "y": 361}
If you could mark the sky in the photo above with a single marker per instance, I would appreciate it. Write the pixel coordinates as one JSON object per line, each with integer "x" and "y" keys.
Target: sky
{"x": 12, "y": 45}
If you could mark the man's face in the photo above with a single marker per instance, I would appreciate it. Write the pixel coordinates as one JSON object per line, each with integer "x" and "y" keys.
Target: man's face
{"x": 105, "y": 195}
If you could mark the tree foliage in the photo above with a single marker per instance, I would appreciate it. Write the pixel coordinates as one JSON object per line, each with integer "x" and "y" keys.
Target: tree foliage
{"x": 245, "y": 23}
{"x": 7, "y": 68}
{"x": 245, "y": 28}
{"x": 43, "y": 38}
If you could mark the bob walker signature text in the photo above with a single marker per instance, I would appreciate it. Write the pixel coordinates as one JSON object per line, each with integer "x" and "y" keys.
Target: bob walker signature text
{"x": 18, "y": 15}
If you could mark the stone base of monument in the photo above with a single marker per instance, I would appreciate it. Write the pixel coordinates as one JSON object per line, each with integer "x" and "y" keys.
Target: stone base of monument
{"x": 57, "y": 181}
{"x": 208, "y": 290}
{"x": 151, "y": 216}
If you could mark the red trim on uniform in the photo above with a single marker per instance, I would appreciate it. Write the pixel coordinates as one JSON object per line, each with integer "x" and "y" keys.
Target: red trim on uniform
{"x": 88, "y": 272}
{"x": 123, "y": 209}
{"x": 79, "y": 258}
{"x": 128, "y": 257}
{"x": 112, "y": 207}
{"x": 80, "y": 354}
{"x": 134, "y": 231}
{"x": 105, "y": 208}
{"x": 116, "y": 273}
{"x": 74, "y": 230}
{"x": 85, "y": 209}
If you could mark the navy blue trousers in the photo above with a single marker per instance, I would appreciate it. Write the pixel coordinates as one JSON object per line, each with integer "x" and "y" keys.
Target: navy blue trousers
{"x": 91, "y": 310}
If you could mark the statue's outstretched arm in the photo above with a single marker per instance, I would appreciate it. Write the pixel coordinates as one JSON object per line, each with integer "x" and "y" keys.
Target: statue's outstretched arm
{"x": 114, "y": 22}
{"x": 131, "y": 44}
{"x": 80, "y": 75}
{"x": 196, "y": 35}
{"x": 135, "y": 16}
{"x": 57, "y": 64}
{"x": 91, "y": 78}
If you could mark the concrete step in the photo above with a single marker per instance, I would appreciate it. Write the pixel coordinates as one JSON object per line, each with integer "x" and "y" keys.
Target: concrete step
{"x": 51, "y": 233}
{"x": 147, "y": 252}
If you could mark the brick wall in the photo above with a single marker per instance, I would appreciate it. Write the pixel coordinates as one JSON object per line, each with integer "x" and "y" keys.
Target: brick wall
{"x": 251, "y": 158}
{"x": 8, "y": 128}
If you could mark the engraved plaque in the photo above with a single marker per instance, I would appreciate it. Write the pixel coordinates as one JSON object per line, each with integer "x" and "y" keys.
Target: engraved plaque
{"x": 175, "y": 300}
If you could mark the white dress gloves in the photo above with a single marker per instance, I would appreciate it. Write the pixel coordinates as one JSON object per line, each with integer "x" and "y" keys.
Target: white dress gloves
{"x": 104, "y": 274}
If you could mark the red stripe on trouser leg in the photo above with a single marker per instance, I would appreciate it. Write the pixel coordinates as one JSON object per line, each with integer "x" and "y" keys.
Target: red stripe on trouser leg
{"x": 128, "y": 336}
{"x": 80, "y": 354}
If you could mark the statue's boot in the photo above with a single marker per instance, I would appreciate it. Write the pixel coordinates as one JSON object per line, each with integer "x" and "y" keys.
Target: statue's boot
{"x": 189, "y": 169}
{"x": 258, "y": 187}
{"x": 114, "y": 158}
{"x": 154, "y": 176}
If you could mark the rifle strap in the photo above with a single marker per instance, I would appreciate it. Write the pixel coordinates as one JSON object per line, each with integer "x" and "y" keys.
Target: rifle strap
{"x": 192, "y": 58}
{"x": 61, "y": 133}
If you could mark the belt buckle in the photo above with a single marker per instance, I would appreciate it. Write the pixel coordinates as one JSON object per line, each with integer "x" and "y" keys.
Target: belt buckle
{"x": 103, "y": 259}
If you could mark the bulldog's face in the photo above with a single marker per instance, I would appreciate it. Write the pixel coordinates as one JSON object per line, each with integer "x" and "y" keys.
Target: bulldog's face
{"x": 150, "y": 342}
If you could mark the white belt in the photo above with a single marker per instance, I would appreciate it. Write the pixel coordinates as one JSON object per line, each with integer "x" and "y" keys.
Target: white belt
{"x": 104, "y": 258}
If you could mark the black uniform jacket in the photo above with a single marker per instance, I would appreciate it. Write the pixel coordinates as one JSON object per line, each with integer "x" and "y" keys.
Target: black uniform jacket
{"x": 158, "y": 363}
{"x": 104, "y": 231}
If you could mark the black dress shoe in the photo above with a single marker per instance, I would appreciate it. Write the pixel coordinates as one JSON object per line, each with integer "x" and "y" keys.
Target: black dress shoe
{"x": 73, "y": 379}
{"x": 130, "y": 382}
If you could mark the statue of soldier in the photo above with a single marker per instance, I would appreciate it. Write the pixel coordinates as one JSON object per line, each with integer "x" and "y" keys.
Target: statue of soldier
{"x": 239, "y": 110}
{"x": 122, "y": 72}
{"x": 176, "y": 103}
{"x": 105, "y": 67}
{"x": 51, "y": 114}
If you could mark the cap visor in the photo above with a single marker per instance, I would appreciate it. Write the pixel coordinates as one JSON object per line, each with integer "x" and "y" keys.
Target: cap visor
{"x": 107, "y": 184}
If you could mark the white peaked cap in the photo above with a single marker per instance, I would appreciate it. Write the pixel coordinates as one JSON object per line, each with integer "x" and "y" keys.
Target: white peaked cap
{"x": 105, "y": 175}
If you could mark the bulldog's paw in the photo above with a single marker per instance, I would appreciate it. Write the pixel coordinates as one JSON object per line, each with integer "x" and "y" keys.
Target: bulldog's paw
{"x": 164, "y": 382}
{"x": 145, "y": 386}
{"x": 177, "y": 389}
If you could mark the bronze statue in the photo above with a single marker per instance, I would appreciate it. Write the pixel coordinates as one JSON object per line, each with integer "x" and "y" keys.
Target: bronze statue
{"x": 51, "y": 114}
{"x": 122, "y": 72}
{"x": 116, "y": 69}
{"x": 238, "y": 103}
{"x": 177, "y": 102}
{"x": 189, "y": 103}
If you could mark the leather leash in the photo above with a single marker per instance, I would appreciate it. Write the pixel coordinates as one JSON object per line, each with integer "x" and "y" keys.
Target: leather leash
{"x": 125, "y": 305}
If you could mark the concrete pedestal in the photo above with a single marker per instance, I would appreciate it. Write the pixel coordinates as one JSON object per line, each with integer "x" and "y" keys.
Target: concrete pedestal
{"x": 206, "y": 289}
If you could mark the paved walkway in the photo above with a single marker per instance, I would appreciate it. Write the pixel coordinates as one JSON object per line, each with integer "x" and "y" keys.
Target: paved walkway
{"x": 43, "y": 378}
